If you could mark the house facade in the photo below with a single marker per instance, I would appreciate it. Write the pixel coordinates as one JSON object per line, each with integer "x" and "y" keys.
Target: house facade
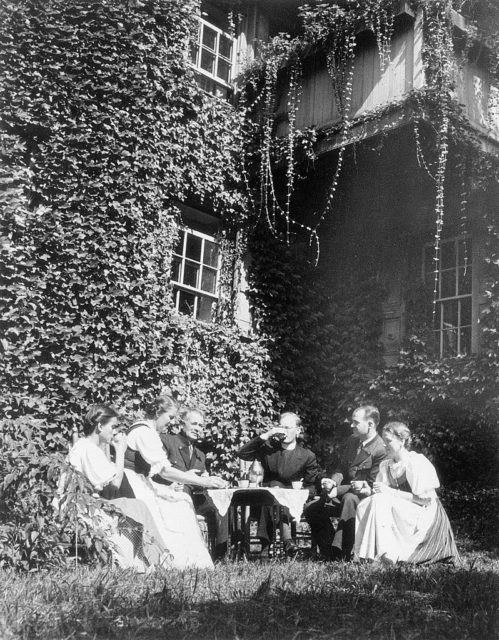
{"x": 385, "y": 178}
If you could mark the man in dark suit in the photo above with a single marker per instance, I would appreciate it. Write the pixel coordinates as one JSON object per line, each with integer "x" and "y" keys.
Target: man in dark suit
{"x": 350, "y": 482}
{"x": 186, "y": 456}
{"x": 283, "y": 461}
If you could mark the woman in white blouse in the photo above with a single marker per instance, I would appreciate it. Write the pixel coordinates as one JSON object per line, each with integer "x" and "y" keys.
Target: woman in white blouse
{"x": 173, "y": 510}
{"x": 135, "y": 540}
{"x": 403, "y": 520}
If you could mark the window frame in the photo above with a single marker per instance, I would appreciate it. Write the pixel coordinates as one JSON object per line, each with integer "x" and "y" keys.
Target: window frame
{"x": 196, "y": 65}
{"x": 197, "y": 292}
{"x": 472, "y": 295}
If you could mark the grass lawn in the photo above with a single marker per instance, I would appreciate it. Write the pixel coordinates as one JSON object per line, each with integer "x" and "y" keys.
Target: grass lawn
{"x": 291, "y": 600}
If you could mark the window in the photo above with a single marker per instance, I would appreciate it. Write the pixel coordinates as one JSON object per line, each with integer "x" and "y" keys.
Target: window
{"x": 212, "y": 57}
{"x": 195, "y": 274}
{"x": 454, "y": 310}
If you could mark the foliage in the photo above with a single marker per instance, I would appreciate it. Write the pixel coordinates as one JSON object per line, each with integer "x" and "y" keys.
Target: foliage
{"x": 33, "y": 532}
{"x": 228, "y": 375}
{"x": 321, "y": 358}
{"x": 273, "y": 601}
{"x": 104, "y": 132}
{"x": 474, "y": 511}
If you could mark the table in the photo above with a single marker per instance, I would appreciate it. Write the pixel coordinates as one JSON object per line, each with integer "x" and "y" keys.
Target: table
{"x": 237, "y": 502}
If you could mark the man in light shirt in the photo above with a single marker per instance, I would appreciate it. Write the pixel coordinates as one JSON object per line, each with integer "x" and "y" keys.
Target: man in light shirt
{"x": 350, "y": 482}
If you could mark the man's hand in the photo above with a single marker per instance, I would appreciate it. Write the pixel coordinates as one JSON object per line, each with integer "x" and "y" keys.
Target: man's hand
{"x": 271, "y": 432}
{"x": 357, "y": 486}
{"x": 177, "y": 486}
{"x": 327, "y": 484}
{"x": 360, "y": 488}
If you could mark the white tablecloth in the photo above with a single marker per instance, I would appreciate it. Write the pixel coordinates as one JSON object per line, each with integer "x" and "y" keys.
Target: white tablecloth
{"x": 294, "y": 499}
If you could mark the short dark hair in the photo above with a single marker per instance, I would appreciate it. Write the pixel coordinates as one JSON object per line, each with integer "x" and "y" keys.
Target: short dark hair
{"x": 98, "y": 414}
{"x": 160, "y": 404}
{"x": 370, "y": 413}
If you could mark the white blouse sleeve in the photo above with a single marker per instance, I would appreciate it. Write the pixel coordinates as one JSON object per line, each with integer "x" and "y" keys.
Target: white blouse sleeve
{"x": 91, "y": 461}
{"x": 148, "y": 443}
{"x": 422, "y": 476}
{"x": 382, "y": 475}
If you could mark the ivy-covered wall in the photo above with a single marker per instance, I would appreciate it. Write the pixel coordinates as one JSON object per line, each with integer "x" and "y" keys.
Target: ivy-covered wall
{"x": 104, "y": 132}
{"x": 367, "y": 210}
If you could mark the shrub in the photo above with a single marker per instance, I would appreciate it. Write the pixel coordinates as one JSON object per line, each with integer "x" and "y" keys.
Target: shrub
{"x": 33, "y": 533}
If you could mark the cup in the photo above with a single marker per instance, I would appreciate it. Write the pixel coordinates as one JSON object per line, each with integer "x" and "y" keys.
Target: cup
{"x": 244, "y": 484}
{"x": 297, "y": 484}
{"x": 252, "y": 484}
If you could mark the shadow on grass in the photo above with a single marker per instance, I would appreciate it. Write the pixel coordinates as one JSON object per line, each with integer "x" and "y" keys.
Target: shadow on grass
{"x": 274, "y": 601}
{"x": 390, "y": 603}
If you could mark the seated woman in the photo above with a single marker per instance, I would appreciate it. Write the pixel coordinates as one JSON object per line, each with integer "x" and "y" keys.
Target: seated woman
{"x": 173, "y": 510}
{"x": 403, "y": 520}
{"x": 136, "y": 542}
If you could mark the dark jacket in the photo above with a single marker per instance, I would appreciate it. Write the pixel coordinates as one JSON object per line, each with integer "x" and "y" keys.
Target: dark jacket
{"x": 177, "y": 450}
{"x": 281, "y": 466}
{"x": 360, "y": 464}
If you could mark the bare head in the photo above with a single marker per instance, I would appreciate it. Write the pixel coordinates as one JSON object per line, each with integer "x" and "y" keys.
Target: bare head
{"x": 100, "y": 419}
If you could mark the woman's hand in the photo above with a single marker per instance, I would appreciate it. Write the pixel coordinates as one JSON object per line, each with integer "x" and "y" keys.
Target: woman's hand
{"x": 119, "y": 442}
{"x": 214, "y": 482}
{"x": 381, "y": 487}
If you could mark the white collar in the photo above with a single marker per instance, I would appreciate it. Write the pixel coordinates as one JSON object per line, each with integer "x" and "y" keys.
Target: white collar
{"x": 363, "y": 444}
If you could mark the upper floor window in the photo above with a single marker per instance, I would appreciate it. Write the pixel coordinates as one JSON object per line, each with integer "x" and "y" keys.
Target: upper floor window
{"x": 454, "y": 303}
{"x": 212, "y": 57}
{"x": 195, "y": 274}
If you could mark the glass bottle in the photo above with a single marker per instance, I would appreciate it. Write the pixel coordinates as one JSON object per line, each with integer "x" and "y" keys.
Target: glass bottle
{"x": 255, "y": 473}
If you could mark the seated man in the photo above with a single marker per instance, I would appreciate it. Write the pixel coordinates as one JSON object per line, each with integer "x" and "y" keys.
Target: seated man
{"x": 283, "y": 461}
{"x": 185, "y": 455}
{"x": 350, "y": 483}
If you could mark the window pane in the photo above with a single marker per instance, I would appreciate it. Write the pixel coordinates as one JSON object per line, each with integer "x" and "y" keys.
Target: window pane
{"x": 207, "y": 61}
{"x": 464, "y": 276}
{"x": 465, "y": 341}
{"x": 209, "y": 280}
{"x": 448, "y": 284}
{"x": 179, "y": 247}
{"x": 210, "y": 256}
{"x": 186, "y": 303}
{"x": 176, "y": 269}
{"x": 449, "y": 343}
{"x": 209, "y": 37}
{"x": 205, "y": 310}
{"x": 448, "y": 255}
{"x": 464, "y": 251}
{"x": 450, "y": 317}
{"x": 438, "y": 316}
{"x": 223, "y": 70}
{"x": 191, "y": 271}
{"x": 465, "y": 311}
{"x": 225, "y": 47}
{"x": 193, "y": 248}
